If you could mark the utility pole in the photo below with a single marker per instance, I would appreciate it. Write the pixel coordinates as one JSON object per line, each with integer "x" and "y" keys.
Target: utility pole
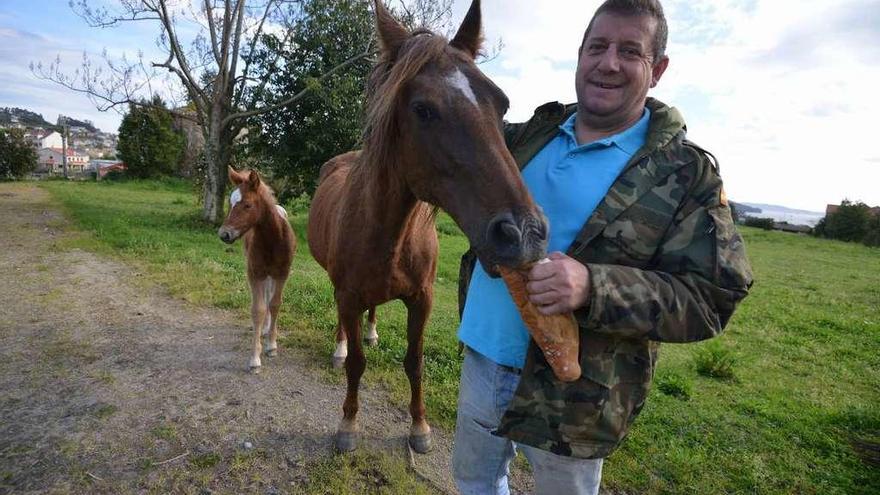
{"x": 65, "y": 130}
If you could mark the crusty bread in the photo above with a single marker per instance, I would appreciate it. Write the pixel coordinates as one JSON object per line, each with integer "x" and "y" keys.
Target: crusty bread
{"x": 556, "y": 336}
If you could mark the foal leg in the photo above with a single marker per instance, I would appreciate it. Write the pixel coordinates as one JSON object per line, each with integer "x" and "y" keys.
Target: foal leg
{"x": 372, "y": 336}
{"x": 273, "y": 296}
{"x": 258, "y": 318}
{"x": 350, "y": 314}
{"x": 418, "y": 308}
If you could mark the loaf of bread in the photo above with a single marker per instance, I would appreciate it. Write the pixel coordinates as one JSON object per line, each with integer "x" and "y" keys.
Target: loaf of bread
{"x": 556, "y": 335}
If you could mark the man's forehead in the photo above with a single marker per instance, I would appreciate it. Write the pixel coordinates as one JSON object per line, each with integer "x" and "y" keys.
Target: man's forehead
{"x": 623, "y": 28}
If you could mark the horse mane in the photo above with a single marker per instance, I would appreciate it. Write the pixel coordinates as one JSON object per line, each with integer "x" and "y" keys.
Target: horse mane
{"x": 387, "y": 78}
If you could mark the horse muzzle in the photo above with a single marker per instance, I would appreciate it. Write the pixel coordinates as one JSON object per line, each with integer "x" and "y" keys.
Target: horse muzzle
{"x": 227, "y": 235}
{"x": 515, "y": 240}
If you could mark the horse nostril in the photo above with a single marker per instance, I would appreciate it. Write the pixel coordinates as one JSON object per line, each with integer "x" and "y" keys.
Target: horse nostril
{"x": 503, "y": 231}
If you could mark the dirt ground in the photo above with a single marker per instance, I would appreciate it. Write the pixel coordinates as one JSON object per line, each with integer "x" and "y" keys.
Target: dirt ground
{"x": 107, "y": 387}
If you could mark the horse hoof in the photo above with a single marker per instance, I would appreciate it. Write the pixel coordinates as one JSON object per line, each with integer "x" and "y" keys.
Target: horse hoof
{"x": 255, "y": 370}
{"x": 272, "y": 352}
{"x": 346, "y": 441}
{"x": 420, "y": 443}
{"x": 371, "y": 341}
{"x": 338, "y": 362}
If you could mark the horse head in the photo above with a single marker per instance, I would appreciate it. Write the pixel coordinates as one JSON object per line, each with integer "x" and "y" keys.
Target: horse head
{"x": 247, "y": 205}
{"x": 436, "y": 119}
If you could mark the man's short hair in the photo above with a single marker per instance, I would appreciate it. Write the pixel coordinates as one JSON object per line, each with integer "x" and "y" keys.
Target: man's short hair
{"x": 633, "y": 8}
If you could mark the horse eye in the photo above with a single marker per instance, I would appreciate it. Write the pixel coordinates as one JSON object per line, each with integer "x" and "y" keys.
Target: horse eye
{"x": 424, "y": 112}
{"x": 247, "y": 206}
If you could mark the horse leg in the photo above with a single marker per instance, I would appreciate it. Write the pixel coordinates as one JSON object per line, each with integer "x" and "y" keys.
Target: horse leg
{"x": 341, "y": 347}
{"x": 350, "y": 314}
{"x": 418, "y": 308}
{"x": 273, "y": 297}
{"x": 258, "y": 317}
{"x": 372, "y": 336}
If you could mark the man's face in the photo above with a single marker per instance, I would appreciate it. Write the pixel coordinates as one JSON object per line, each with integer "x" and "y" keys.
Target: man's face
{"x": 615, "y": 69}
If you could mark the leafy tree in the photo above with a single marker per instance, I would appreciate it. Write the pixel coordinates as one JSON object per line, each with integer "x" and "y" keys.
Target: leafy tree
{"x": 17, "y": 157}
{"x": 849, "y": 223}
{"x": 147, "y": 143}
{"x": 872, "y": 234}
{"x": 295, "y": 141}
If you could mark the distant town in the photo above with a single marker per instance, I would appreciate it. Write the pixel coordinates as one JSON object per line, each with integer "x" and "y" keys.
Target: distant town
{"x": 89, "y": 150}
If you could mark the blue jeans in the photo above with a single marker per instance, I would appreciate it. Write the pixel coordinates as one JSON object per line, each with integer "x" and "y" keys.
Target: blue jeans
{"x": 481, "y": 461}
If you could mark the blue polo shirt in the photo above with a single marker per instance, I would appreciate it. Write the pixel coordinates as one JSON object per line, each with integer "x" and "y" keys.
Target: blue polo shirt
{"x": 568, "y": 181}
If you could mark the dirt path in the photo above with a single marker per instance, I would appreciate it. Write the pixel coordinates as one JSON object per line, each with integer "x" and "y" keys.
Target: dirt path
{"x": 109, "y": 388}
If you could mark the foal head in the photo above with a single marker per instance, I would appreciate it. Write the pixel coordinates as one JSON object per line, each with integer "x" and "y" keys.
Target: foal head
{"x": 436, "y": 120}
{"x": 248, "y": 203}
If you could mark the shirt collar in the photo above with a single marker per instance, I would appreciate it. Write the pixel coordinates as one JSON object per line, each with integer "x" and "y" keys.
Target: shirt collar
{"x": 629, "y": 140}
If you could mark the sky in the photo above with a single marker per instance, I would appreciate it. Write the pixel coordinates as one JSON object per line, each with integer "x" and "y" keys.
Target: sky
{"x": 781, "y": 91}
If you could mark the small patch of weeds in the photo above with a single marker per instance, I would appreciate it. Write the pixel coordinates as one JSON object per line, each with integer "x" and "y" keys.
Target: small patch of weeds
{"x": 104, "y": 411}
{"x": 713, "y": 360}
{"x": 674, "y": 385}
{"x": 165, "y": 432}
{"x": 204, "y": 461}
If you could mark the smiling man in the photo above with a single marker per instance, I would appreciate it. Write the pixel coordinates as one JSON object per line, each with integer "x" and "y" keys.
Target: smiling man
{"x": 643, "y": 251}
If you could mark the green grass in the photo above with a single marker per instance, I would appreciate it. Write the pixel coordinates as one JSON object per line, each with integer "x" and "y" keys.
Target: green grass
{"x": 796, "y": 398}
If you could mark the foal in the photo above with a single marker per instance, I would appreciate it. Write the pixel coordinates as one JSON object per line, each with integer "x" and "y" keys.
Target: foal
{"x": 269, "y": 245}
{"x": 432, "y": 139}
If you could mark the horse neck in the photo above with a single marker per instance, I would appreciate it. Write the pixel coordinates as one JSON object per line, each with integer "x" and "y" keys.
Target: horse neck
{"x": 269, "y": 228}
{"x": 390, "y": 210}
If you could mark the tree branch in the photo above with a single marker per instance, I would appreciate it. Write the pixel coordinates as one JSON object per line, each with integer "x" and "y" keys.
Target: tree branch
{"x": 304, "y": 92}
{"x": 212, "y": 30}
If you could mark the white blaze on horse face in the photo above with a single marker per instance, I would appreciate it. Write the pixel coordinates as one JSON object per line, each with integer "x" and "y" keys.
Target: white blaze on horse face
{"x": 234, "y": 198}
{"x": 281, "y": 211}
{"x": 460, "y": 82}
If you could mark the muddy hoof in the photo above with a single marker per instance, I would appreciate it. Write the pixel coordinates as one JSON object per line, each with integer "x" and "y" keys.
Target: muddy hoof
{"x": 346, "y": 441}
{"x": 272, "y": 352}
{"x": 371, "y": 341}
{"x": 338, "y": 362}
{"x": 255, "y": 370}
{"x": 420, "y": 443}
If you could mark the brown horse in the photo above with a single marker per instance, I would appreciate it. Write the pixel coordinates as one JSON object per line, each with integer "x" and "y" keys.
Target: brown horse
{"x": 269, "y": 245}
{"x": 432, "y": 137}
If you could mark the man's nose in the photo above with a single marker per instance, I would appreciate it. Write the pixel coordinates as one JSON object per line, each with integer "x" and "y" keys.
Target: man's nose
{"x": 610, "y": 61}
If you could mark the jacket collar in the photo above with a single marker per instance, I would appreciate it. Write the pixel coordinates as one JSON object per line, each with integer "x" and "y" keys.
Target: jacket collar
{"x": 647, "y": 168}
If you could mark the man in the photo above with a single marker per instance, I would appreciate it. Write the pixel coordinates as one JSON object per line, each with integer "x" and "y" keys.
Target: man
{"x": 651, "y": 255}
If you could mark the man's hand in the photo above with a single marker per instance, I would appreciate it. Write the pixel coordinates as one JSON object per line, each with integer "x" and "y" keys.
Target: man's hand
{"x": 559, "y": 286}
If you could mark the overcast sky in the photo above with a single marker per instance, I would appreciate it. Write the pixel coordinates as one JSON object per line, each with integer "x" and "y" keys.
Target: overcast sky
{"x": 781, "y": 91}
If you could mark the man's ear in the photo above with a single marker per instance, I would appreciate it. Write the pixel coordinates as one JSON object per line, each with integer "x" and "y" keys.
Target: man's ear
{"x": 658, "y": 69}
{"x": 391, "y": 33}
{"x": 254, "y": 180}
{"x": 235, "y": 177}
{"x": 470, "y": 34}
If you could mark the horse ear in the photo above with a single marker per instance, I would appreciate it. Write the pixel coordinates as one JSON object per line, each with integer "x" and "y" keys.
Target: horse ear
{"x": 235, "y": 177}
{"x": 254, "y": 180}
{"x": 391, "y": 33}
{"x": 470, "y": 36}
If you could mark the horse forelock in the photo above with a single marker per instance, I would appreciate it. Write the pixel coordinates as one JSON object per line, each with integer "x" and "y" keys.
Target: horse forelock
{"x": 386, "y": 82}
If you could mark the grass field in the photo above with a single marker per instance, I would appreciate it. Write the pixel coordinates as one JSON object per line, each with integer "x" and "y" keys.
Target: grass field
{"x": 786, "y": 401}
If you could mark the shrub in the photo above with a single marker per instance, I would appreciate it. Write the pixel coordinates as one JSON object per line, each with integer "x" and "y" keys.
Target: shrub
{"x": 674, "y": 385}
{"x": 761, "y": 223}
{"x": 713, "y": 360}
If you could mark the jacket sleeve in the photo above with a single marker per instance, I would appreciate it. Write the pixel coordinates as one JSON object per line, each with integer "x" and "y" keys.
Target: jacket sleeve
{"x": 696, "y": 278}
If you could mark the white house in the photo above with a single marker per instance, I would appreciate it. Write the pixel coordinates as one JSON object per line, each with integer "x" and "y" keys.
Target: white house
{"x": 50, "y": 160}
{"x": 52, "y": 140}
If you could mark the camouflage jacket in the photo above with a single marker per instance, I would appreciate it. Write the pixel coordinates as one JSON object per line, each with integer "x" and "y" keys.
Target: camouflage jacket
{"x": 666, "y": 265}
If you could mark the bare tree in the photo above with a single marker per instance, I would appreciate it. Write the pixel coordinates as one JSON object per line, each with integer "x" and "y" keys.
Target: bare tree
{"x": 212, "y": 72}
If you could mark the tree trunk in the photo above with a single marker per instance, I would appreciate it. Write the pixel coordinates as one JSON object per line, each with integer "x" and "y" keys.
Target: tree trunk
{"x": 218, "y": 153}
